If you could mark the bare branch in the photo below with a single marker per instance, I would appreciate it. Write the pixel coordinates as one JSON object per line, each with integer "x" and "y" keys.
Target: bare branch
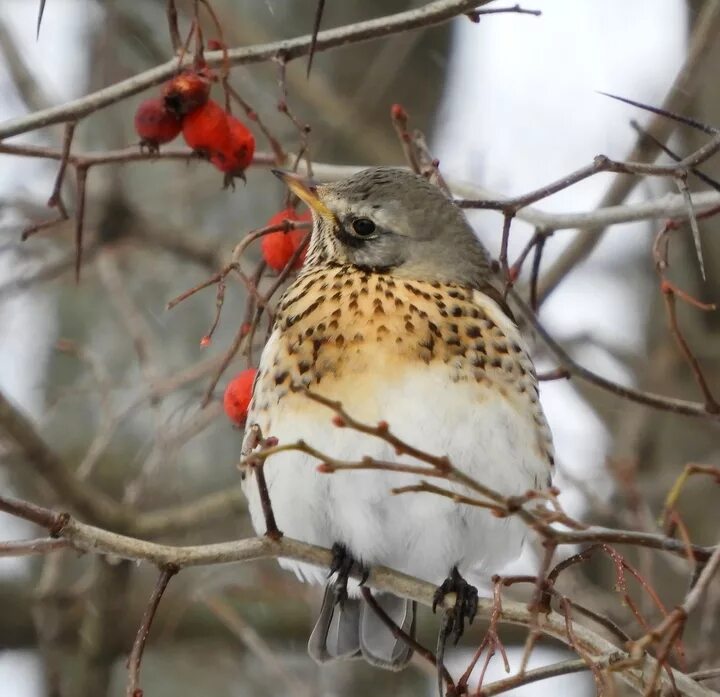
{"x": 92, "y": 539}
{"x": 436, "y": 12}
{"x": 136, "y": 654}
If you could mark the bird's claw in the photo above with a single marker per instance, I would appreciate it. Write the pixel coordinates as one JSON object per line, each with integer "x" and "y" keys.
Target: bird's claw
{"x": 343, "y": 564}
{"x": 465, "y": 608}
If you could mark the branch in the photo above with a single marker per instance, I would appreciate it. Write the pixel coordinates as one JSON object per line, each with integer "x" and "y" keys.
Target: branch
{"x": 676, "y": 406}
{"x": 218, "y": 505}
{"x": 667, "y": 206}
{"x": 21, "y": 548}
{"x": 433, "y": 13}
{"x": 81, "y": 496}
{"x": 680, "y": 94}
{"x": 135, "y": 659}
{"x": 575, "y": 665}
{"x": 92, "y": 539}
{"x": 540, "y": 520}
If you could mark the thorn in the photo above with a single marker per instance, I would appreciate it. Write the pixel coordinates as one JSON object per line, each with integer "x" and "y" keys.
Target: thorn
{"x": 693, "y": 123}
{"x": 315, "y": 30}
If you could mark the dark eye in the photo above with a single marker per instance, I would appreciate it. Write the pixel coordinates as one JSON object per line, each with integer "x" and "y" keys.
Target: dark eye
{"x": 363, "y": 227}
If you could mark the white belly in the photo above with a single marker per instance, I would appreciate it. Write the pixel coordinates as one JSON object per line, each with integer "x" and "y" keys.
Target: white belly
{"x": 421, "y": 534}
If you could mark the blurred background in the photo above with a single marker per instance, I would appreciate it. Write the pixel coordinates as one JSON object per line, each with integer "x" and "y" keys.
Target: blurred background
{"x": 113, "y": 381}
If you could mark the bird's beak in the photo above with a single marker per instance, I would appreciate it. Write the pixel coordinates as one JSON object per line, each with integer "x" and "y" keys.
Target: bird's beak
{"x": 305, "y": 191}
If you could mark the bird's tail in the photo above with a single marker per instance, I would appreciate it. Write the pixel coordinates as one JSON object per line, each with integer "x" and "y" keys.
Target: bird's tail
{"x": 353, "y": 630}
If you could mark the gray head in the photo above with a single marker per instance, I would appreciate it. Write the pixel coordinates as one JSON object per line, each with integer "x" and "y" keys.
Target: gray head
{"x": 391, "y": 220}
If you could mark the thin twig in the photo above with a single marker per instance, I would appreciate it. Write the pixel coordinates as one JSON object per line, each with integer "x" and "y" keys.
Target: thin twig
{"x": 677, "y": 406}
{"x": 711, "y": 404}
{"x": 136, "y": 654}
{"x": 398, "y": 633}
{"x": 22, "y": 548}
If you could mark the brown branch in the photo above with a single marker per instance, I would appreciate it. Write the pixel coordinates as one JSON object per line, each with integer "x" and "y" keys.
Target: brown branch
{"x": 491, "y": 641}
{"x": 271, "y": 529}
{"x": 676, "y": 406}
{"x": 92, "y": 539}
{"x": 80, "y": 496}
{"x": 22, "y": 548}
{"x": 62, "y": 216}
{"x": 398, "y": 633}
{"x": 677, "y": 487}
{"x": 136, "y": 654}
{"x": 475, "y": 15}
{"x": 574, "y": 665}
{"x": 540, "y": 520}
{"x": 81, "y": 174}
{"x": 711, "y": 404}
{"x": 247, "y": 634}
{"x": 275, "y": 145}
{"x": 433, "y": 13}
{"x": 680, "y": 94}
{"x": 429, "y": 165}
{"x": 206, "y": 509}
{"x": 243, "y": 335}
{"x": 66, "y": 146}
{"x": 681, "y": 182}
{"x": 664, "y": 148}
{"x": 315, "y": 29}
{"x": 399, "y": 118}
{"x": 172, "y": 19}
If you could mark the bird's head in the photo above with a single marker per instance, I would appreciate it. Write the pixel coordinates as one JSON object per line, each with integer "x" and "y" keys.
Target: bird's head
{"x": 393, "y": 221}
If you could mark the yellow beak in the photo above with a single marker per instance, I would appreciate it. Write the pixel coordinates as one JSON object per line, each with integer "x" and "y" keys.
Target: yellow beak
{"x": 305, "y": 191}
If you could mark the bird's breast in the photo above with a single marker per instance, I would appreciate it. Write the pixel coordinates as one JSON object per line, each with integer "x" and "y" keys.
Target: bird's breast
{"x": 342, "y": 332}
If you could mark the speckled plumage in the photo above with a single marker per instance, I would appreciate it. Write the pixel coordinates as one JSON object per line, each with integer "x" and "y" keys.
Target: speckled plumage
{"x": 338, "y": 322}
{"x": 442, "y": 363}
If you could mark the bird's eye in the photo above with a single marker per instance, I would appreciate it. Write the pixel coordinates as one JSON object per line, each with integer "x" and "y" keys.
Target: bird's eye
{"x": 363, "y": 227}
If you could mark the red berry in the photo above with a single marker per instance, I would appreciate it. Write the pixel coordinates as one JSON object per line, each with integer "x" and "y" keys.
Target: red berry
{"x": 238, "y": 394}
{"x": 235, "y": 157}
{"x": 206, "y": 129}
{"x": 278, "y": 247}
{"x": 186, "y": 92}
{"x": 155, "y": 124}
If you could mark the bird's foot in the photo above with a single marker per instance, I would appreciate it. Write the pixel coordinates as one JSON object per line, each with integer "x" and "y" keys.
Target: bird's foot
{"x": 343, "y": 564}
{"x": 453, "y": 621}
{"x": 466, "y": 604}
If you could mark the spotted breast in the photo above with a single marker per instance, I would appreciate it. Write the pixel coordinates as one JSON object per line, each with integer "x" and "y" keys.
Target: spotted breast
{"x": 445, "y": 366}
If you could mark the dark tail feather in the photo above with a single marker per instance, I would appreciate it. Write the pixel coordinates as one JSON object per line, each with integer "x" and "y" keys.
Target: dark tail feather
{"x": 337, "y": 632}
{"x": 353, "y": 629}
{"x": 378, "y": 644}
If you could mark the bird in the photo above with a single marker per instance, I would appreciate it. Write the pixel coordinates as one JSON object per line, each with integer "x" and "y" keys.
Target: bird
{"x": 397, "y": 316}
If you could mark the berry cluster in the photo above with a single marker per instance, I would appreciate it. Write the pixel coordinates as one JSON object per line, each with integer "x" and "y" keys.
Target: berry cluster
{"x": 212, "y": 132}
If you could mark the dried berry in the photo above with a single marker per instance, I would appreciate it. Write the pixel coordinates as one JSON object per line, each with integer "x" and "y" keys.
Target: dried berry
{"x": 206, "y": 129}
{"x": 186, "y": 92}
{"x": 155, "y": 124}
{"x": 278, "y": 247}
{"x": 238, "y": 394}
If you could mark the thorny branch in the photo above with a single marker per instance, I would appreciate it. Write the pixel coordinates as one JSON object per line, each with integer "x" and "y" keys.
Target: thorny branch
{"x": 88, "y": 538}
{"x": 435, "y": 12}
{"x": 635, "y": 665}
